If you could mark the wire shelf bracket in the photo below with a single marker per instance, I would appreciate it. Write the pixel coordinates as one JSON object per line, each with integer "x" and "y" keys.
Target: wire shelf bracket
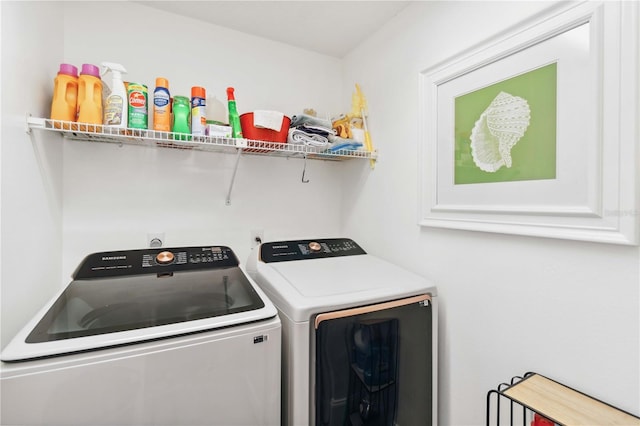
{"x": 169, "y": 140}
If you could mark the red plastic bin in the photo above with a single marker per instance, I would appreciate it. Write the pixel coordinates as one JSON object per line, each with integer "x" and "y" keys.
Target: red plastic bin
{"x": 249, "y": 131}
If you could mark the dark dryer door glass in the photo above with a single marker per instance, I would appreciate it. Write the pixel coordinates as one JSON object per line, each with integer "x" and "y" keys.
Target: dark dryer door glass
{"x": 374, "y": 365}
{"x": 105, "y": 305}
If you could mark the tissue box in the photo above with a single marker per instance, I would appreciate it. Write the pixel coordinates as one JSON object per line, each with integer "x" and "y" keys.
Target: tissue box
{"x": 218, "y": 130}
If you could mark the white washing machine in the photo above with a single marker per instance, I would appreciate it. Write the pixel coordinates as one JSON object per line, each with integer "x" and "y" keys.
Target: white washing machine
{"x": 176, "y": 336}
{"x": 359, "y": 334}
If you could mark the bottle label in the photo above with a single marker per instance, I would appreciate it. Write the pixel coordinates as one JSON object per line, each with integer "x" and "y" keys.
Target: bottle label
{"x": 137, "y": 100}
{"x": 198, "y": 116}
{"x": 161, "y": 98}
{"x": 113, "y": 110}
{"x": 161, "y": 102}
{"x": 198, "y": 102}
{"x": 161, "y": 110}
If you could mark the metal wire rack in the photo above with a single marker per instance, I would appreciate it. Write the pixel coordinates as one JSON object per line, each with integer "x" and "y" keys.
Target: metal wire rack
{"x": 157, "y": 139}
{"x": 152, "y": 138}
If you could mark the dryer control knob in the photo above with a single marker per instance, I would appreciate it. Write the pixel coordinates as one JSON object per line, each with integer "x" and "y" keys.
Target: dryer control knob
{"x": 314, "y": 246}
{"x": 164, "y": 257}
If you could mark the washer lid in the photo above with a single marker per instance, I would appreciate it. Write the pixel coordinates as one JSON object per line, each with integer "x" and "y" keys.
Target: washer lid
{"x": 338, "y": 275}
{"x": 92, "y": 307}
{"x": 122, "y": 308}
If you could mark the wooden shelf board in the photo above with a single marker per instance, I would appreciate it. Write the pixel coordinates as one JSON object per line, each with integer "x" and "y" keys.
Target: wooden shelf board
{"x": 565, "y": 405}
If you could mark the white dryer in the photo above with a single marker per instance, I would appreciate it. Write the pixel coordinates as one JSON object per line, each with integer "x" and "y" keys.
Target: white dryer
{"x": 359, "y": 334}
{"x": 176, "y": 336}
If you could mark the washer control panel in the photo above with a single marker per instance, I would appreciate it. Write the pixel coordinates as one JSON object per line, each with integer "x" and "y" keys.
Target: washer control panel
{"x": 284, "y": 251}
{"x": 155, "y": 260}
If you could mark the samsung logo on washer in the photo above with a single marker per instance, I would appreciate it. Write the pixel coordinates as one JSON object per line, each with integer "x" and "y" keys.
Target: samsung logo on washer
{"x": 114, "y": 257}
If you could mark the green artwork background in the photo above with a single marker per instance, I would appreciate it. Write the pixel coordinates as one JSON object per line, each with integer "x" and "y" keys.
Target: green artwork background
{"x": 534, "y": 156}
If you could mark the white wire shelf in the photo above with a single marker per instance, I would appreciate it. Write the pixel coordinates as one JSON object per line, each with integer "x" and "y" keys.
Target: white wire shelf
{"x": 158, "y": 139}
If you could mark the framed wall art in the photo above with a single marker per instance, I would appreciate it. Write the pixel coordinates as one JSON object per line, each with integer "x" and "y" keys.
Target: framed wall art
{"x": 535, "y": 132}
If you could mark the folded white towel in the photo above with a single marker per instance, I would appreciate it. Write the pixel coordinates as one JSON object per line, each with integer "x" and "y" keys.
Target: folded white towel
{"x": 268, "y": 119}
{"x": 298, "y": 136}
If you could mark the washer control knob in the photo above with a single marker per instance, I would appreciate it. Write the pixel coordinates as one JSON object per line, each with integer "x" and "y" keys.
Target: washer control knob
{"x": 314, "y": 246}
{"x": 164, "y": 257}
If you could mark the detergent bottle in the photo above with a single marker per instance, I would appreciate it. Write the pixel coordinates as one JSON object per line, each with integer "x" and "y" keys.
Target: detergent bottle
{"x": 181, "y": 118}
{"x": 65, "y": 94}
{"x": 162, "y": 106}
{"x": 89, "y": 106}
{"x": 116, "y": 106}
{"x": 234, "y": 118}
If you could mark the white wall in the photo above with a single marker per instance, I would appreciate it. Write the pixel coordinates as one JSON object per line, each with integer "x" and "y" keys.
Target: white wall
{"x": 509, "y": 304}
{"x": 65, "y": 199}
{"x": 114, "y": 196}
{"x": 31, "y": 167}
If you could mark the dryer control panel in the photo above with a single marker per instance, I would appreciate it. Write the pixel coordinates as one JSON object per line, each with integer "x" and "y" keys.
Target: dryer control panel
{"x": 284, "y": 251}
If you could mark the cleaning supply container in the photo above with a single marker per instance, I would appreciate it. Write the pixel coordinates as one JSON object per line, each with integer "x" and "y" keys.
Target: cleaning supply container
{"x": 234, "y": 118}
{"x": 137, "y": 95}
{"x": 181, "y": 118}
{"x": 65, "y": 94}
{"x": 162, "y": 106}
{"x": 256, "y": 134}
{"x": 116, "y": 104}
{"x": 250, "y": 131}
{"x": 89, "y": 97}
{"x": 198, "y": 111}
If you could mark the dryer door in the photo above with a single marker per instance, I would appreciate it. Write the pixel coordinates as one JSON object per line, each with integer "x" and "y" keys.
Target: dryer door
{"x": 373, "y": 364}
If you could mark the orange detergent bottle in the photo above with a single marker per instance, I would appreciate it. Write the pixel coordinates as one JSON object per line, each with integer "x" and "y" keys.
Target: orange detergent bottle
{"x": 89, "y": 97}
{"x": 65, "y": 95}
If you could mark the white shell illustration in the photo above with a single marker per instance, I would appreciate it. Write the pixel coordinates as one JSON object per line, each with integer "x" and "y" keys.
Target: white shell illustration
{"x": 498, "y": 129}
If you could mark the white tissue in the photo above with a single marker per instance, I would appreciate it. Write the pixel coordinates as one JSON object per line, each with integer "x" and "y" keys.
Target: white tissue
{"x": 268, "y": 119}
{"x": 216, "y": 110}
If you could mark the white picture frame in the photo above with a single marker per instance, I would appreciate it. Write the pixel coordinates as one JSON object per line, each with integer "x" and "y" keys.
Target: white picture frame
{"x": 593, "y": 196}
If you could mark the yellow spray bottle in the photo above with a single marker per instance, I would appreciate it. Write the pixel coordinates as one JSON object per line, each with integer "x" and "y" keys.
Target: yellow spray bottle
{"x": 359, "y": 107}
